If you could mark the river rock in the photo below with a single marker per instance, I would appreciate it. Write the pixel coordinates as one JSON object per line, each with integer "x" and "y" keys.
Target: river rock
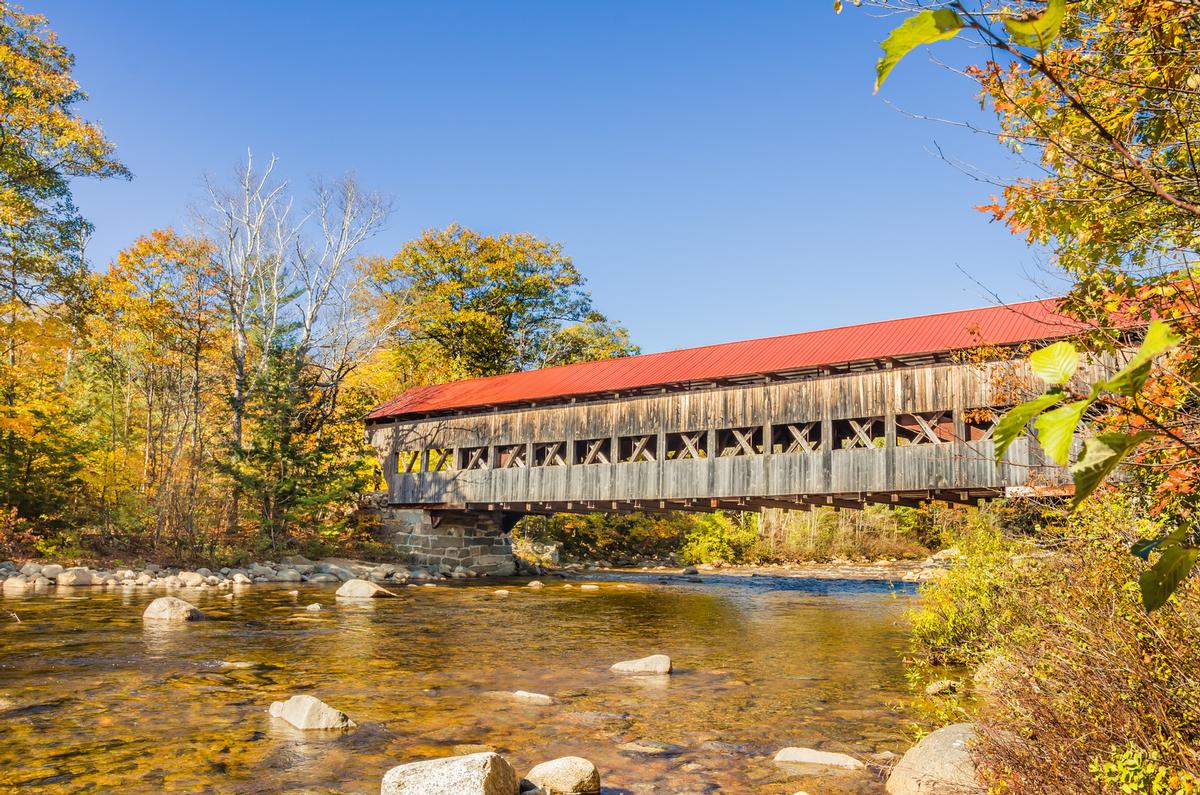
{"x": 810, "y": 756}
{"x": 315, "y": 607}
{"x": 74, "y": 576}
{"x": 308, "y": 712}
{"x": 51, "y": 570}
{"x": 941, "y": 687}
{"x": 570, "y": 775}
{"x": 485, "y": 773}
{"x": 589, "y": 587}
{"x": 362, "y": 589}
{"x": 191, "y": 579}
{"x": 940, "y": 764}
{"x": 170, "y": 608}
{"x": 31, "y": 569}
{"x": 654, "y": 664}
{"x": 537, "y": 699}
{"x": 341, "y": 572}
{"x": 288, "y": 575}
{"x": 535, "y": 584}
{"x": 322, "y": 576}
{"x": 16, "y": 584}
{"x": 241, "y": 578}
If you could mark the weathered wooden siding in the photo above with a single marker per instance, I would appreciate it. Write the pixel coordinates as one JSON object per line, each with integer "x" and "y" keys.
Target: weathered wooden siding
{"x": 861, "y": 449}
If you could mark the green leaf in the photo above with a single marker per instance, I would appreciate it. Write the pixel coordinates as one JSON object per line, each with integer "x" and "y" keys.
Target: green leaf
{"x": 1012, "y": 424}
{"x": 1145, "y": 546}
{"x": 1101, "y": 454}
{"x": 1056, "y": 429}
{"x": 1055, "y": 363}
{"x": 1160, "y": 580}
{"x": 923, "y": 28}
{"x": 1038, "y": 31}
{"x": 1130, "y": 379}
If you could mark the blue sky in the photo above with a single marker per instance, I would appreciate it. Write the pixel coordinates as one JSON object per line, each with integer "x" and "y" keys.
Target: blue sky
{"x": 718, "y": 171}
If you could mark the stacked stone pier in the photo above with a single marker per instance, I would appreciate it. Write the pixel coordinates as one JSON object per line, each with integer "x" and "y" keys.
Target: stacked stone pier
{"x": 478, "y": 541}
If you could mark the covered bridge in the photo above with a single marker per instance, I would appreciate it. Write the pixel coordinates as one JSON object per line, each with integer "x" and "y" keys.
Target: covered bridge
{"x": 897, "y": 412}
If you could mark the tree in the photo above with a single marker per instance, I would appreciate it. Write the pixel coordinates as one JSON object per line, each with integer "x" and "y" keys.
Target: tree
{"x": 292, "y": 301}
{"x": 43, "y": 145}
{"x": 488, "y": 305}
{"x": 1102, "y": 99}
{"x": 154, "y": 366}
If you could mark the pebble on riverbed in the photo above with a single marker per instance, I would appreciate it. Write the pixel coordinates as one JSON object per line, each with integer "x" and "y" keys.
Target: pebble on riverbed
{"x": 810, "y": 756}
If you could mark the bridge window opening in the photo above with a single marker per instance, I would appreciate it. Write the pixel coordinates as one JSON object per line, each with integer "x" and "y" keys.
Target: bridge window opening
{"x": 408, "y": 461}
{"x": 440, "y": 460}
{"x": 932, "y": 427}
{"x": 980, "y": 423}
{"x": 681, "y": 446}
{"x": 550, "y": 454}
{"x": 638, "y": 448}
{"x": 866, "y": 432}
{"x": 512, "y": 456}
{"x": 593, "y": 451}
{"x": 475, "y": 458}
{"x": 740, "y": 441}
{"x": 798, "y": 437}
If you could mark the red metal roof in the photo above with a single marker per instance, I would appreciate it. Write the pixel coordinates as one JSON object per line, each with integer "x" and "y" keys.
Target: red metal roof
{"x": 946, "y": 331}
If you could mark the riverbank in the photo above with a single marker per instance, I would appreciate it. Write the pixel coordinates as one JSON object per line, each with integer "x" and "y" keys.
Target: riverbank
{"x": 16, "y": 577}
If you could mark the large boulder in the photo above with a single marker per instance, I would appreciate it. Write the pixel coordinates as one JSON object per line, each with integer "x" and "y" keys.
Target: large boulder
{"x": 940, "y": 764}
{"x": 74, "y": 576}
{"x": 810, "y": 756}
{"x": 654, "y": 664}
{"x": 172, "y": 609}
{"x": 362, "y": 589}
{"x": 570, "y": 775}
{"x": 51, "y": 570}
{"x": 307, "y": 712}
{"x": 485, "y": 773}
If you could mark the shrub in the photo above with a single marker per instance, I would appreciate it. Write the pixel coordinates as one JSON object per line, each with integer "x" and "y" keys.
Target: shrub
{"x": 1079, "y": 690}
{"x": 955, "y": 621}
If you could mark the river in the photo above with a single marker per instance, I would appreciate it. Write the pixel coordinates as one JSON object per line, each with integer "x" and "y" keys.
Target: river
{"x": 93, "y": 701}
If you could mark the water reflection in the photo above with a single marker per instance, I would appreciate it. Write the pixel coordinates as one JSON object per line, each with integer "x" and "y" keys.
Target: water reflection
{"x": 92, "y": 700}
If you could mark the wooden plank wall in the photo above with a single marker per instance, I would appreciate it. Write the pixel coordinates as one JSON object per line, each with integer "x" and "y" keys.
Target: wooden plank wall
{"x": 945, "y": 397}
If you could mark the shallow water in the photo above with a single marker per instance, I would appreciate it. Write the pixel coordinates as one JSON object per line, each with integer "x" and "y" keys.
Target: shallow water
{"x": 93, "y": 701}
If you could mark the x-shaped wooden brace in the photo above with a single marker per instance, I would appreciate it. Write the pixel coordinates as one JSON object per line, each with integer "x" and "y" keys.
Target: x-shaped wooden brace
{"x": 477, "y": 459}
{"x": 745, "y": 441}
{"x": 927, "y": 426}
{"x": 438, "y": 460}
{"x": 513, "y": 457}
{"x": 552, "y": 456}
{"x": 691, "y": 445}
{"x": 410, "y": 463}
{"x": 800, "y": 440}
{"x": 595, "y": 452}
{"x": 862, "y": 433}
{"x": 641, "y": 451}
